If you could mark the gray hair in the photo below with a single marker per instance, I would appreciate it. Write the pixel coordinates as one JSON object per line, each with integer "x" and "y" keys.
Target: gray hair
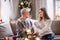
{"x": 25, "y": 10}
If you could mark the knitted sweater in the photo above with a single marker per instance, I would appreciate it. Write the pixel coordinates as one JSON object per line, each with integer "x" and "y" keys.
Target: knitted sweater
{"x": 43, "y": 28}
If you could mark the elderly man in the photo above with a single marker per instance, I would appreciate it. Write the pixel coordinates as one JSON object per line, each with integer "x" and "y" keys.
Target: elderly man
{"x": 23, "y": 22}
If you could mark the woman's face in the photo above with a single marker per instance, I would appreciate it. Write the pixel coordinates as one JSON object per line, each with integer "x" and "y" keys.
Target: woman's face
{"x": 41, "y": 14}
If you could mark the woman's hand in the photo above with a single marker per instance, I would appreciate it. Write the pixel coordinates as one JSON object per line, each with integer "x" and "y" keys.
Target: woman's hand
{"x": 36, "y": 33}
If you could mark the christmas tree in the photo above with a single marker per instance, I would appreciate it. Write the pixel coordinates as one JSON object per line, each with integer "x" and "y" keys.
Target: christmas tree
{"x": 25, "y": 4}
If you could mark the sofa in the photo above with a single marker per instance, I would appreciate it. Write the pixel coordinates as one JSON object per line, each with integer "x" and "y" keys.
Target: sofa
{"x": 55, "y": 27}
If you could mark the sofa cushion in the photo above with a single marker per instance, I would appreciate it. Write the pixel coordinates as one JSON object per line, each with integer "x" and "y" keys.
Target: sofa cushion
{"x": 13, "y": 27}
{"x": 56, "y": 27}
{"x": 5, "y": 30}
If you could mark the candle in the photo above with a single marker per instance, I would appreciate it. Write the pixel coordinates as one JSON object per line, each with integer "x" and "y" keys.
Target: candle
{"x": 37, "y": 38}
{"x": 6, "y": 38}
{"x": 26, "y": 39}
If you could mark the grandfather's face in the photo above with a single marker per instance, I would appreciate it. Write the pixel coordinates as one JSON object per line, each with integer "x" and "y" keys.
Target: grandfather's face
{"x": 26, "y": 14}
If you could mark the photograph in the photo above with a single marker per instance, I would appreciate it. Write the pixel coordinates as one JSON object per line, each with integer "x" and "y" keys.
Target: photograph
{"x": 29, "y": 19}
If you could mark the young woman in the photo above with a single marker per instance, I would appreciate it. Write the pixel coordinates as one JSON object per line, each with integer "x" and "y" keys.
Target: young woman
{"x": 44, "y": 26}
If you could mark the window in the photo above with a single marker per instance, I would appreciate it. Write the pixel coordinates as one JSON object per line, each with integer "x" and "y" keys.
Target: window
{"x": 57, "y": 10}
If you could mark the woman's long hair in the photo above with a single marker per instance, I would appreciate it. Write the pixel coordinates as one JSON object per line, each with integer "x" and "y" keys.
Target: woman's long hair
{"x": 44, "y": 14}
